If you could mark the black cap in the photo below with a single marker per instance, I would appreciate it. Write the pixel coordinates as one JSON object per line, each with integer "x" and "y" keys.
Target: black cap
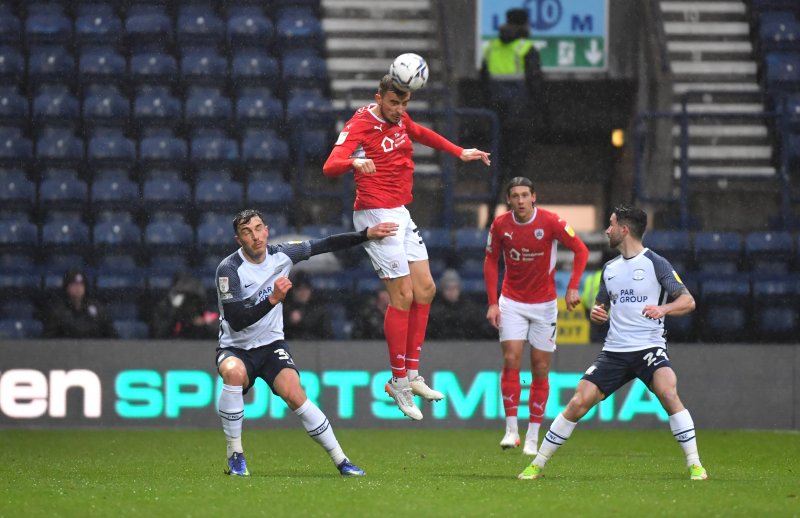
{"x": 74, "y": 275}
{"x": 517, "y": 17}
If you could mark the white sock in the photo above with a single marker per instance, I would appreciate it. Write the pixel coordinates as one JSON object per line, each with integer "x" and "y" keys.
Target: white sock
{"x": 412, "y": 373}
{"x": 682, "y": 427}
{"x": 511, "y": 424}
{"x": 532, "y": 434}
{"x": 319, "y": 429}
{"x": 231, "y": 411}
{"x": 555, "y": 437}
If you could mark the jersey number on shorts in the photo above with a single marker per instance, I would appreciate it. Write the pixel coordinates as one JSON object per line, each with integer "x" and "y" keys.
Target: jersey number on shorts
{"x": 284, "y": 355}
{"x": 650, "y": 357}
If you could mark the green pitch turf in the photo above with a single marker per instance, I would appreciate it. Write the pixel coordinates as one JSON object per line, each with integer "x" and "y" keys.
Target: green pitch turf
{"x": 409, "y": 473}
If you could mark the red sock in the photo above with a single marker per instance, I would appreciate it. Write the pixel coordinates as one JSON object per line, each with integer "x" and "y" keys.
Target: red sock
{"x": 417, "y": 325}
{"x": 540, "y": 391}
{"x": 510, "y": 388}
{"x": 395, "y": 329}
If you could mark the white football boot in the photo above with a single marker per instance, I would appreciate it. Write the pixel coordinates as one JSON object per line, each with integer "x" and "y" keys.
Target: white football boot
{"x": 419, "y": 388}
{"x": 402, "y": 395}
{"x": 510, "y": 440}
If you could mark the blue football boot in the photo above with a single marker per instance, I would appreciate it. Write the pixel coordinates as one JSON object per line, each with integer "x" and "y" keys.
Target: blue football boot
{"x": 237, "y": 465}
{"x": 348, "y": 469}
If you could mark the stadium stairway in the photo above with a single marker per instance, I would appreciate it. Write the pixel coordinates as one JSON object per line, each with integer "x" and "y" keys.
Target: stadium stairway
{"x": 714, "y": 70}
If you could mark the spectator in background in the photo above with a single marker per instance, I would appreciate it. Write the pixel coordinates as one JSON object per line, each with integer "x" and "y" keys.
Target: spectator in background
{"x": 368, "y": 323}
{"x": 512, "y": 80}
{"x": 184, "y": 312}
{"x": 454, "y": 317}
{"x": 75, "y": 315}
{"x": 304, "y": 317}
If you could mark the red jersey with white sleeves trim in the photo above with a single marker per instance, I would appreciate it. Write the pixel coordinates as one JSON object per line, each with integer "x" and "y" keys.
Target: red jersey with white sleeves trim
{"x": 388, "y": 145}
{"x": 529, "y": 251}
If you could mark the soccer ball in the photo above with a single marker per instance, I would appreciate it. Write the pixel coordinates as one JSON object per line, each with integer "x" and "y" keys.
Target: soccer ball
{"x": 409, "y": 72}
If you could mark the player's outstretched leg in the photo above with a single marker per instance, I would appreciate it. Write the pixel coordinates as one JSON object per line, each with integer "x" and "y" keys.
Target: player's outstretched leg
{"x": 420, "y": 388}
{"x": 231, "y": 411}
{"x": 537, "y": 402}
{"x": 510, "y": 389}
{"x": 559, "y": 432}
{"x": 320, "y": 430}
{"x": 682, "y": 426}
{"x": 417, "y": 324}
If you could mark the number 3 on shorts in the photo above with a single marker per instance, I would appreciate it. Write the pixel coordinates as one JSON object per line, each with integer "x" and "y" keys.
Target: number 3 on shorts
{"x": 284, "y": 355}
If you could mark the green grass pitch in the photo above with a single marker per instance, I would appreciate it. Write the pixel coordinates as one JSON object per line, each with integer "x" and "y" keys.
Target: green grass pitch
{"x": 409, "y": 473}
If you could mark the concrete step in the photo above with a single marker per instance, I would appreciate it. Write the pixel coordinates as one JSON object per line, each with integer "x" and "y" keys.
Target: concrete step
{"x": 725, "y": 153}
{"x": 737, "y": 87}
{"x": 711, "y": 68}
{"x": 380, "y": 47}
{"x": 710, "y": 30}
{"x": 727, "y": 171}
{"x": 720, "y": 108}
{"x": 378, "y": 28}
{"x": 724, "y": 131}
{"x": 692, "y": 6}
{"x": 370, "y": 9}
{"x": 370, "y": 66}
{"x": 711, "y": 47}
{"x": 414, "y": 106}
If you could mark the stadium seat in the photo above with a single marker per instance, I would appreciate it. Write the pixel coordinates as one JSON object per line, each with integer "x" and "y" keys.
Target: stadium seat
{"x": 168, "y": 235}
{"x": 17, "y": 192}
{"x": 63, "y": 192}
{"x": 104, "y": 105}
{"x": 302, "y": 68}
{"x": 19, "y": 328}
{"x": 214, "y": 236}
{"x": 131, "y": 329}
{"x": 18, "y": 235}
{"x": 20, "y": 308}
{"x": 155, "y": 105}
{"x": 54, "y": 104}
{"x": 113, "y": 189}
{"x": 153, "y": 67}
{"x": 119, "y": 285}
{"x": 263, "y": 148}
{"x": 779, "y": 31}
{"x": 102, "y": 64}
{"x": 115, "y": 261}
{"x": 51, "y": 27}
{"x": 725, "y": 303}
{"x": 110, "y": 147}
{"x": 309, "y": 108}
{"x": 162, "y": 269}
{"x": 199, "y": 24}
{"x": 19, "y": 276}
{"x": 673, "y": 245}
{"x": 65, "y": 236}
{"x": 718, "y": 252}
{"x": 203, "y": 66}
{"x": 320, "y": 231}
{"x": 207, "y": 108}
{"x": 51, "y": 64}
{"x": 12, "y": 65}
{"x": 59, "y": 147}
{"x": 470, "y": 243}
{"x": 54, "y": 268}
{"x": 117, "y": 236}
{"x": 783, "y": 71}
{"x": 247, "y": 26}
{"x": 163, "y": 150}
{"x": 218, "y": 195}
{"x": 166, "y": 190}
{"x": 15, "y": 150}
{"x": 10, "y": 29}
{"x": 97, "y": 24}
{"x": 270, "y": 195}
{"x": 121, "y": 310}
{"x": 254, "y": 67}
{"x": 768, "y": 251}
{"x": 214, "y": 150}
{"x": 298, "y": 27}
{"x": 148, "y": 26}
{"x": 256, "y": 107}
{"x": 775, "y": 306}
{"x": 13, "y": 107}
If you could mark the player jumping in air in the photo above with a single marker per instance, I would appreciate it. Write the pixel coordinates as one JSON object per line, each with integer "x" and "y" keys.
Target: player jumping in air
{"x": 634, "y": 288}
{"x": 376, "y": 144}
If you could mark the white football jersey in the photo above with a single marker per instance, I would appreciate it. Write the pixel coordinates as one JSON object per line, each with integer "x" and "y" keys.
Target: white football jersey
{"x": 626, "y": 287}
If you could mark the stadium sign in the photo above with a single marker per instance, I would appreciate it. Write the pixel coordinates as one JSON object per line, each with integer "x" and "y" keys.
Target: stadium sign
{"x": 570, "y": 36}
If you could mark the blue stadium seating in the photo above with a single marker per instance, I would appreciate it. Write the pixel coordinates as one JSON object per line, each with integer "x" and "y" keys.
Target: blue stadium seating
{"x": 166, "y": 190}
{"x": 147, "y": 26}
{"x": 203, "y": 65}
{"x": 768, "y": 251}
{"x": 105, "y": 105}
{"x": 199, "y": 24}
{"x": 18, "y": 235}
{"x": 120, "y": 285}
{"x": 263, "y": 148}
{"x": 783, "y": 71}
{"x": 167, "y": 235}
{"x": 102, "y": 64}
{"x": 55, "y": 266}
{"x": 779, "y": 31}
{"x": 97, "y": 24}
{"x": 10, "y": 29}
{"x": 214, "y": 236}
{"x": 12, "y": 65}
{"x": 302, "y": 68}
{"x": 718, "y": 252}
{"x": 320, "y": 231}
{"x": 117, "y": 235}
{"x": 218, "y": 195}
{"x": 54, "y": 104}
{"x": 63, "y": 191}
{"x": 65, "y": 236}
{"x": 207, "y": 107}
{"x": 113, "y": 189}
{"x": 775, "y": 306}
{"x": 18, "y": 328}
{"x": 153, "y": 67}
{"x": 155, "y": 105}
{"x": 309, "y": 108}
{"x": 298, "y": 27}
{"x": 470, "y": 243}
{"x": 51, "y": 64}
{"x": 17, "y": 309}
{"x": 131, "y": 329}
{"x": 269, "y": 195}
{"x": 59, "y": 147}
{"x": 248, "y": 26}
{"x": 49, "y": 26}
{"x": 674, "y": 245}
{"x": 213, "y": 149}
{"x": 256, "y": 107}
{"x": 110, "y": 147}
{"x": 17, "y": 192}
{"x": 13, "y": 107}
{"x": 254, "y": 67}
{"x": 725, "y": 307}
{"x": 19, "y": 276}
{"x": 163, "y": 150}
{"x": 15, "y": 150}
{"x": 126, "y": 311}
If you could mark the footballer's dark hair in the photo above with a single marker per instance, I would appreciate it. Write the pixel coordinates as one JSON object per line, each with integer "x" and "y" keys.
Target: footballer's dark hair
{"x": 634, "y": 217}
{"x": 519, "y": 181}
{"x": 387, "y": 85}
{"x": 244, "y": 217}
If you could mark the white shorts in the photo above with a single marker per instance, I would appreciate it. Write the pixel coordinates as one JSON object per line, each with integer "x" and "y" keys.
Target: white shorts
{"x": 536, "y": 323}
{"x": 390, "y": 256}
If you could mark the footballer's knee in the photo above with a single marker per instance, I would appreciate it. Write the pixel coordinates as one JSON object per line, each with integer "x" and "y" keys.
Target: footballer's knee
{"x": 233, "y": 372}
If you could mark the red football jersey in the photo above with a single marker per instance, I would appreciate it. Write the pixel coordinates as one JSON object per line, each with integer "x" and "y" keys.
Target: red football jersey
{"x": 529, "y": 251}
{"x": 388, "y": 145}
